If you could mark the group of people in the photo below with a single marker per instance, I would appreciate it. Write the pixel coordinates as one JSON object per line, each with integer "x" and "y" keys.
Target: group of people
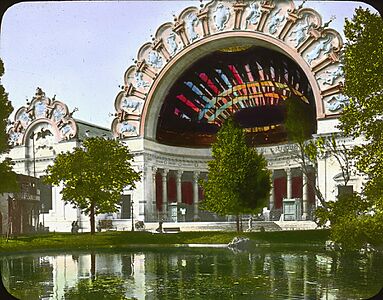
{"x": 75, "y": 227}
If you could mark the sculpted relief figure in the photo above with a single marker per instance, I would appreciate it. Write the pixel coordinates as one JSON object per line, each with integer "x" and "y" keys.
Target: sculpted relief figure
{"x": 66, "y": 131}
{"x": 25, "y": 118}
{"x": 331, "y": 75}
{"x": 190, "y": 21}
{"x": 300, "y": 31}
{"x": 14, "y": 137}
{"x": 172, "y": 43}
{"x": 337, "y": 102}
{"x": 324, "y": 46}
{"x": 129, "y": 128}
{"x": 155, "y": 60}
{"x": 254, "y": 14}
{"x": 129, "y": 103}
{"x": 140, "y": 82}
{"x": 58, "y": 114}
{"x": 275, "y": 21}
{"x": 221, "y": 16}
{"x": 40, "y": 108}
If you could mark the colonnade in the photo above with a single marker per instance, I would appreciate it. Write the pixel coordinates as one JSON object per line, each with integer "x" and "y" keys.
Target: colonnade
{"x": 289, "y": 188}
{"x": 196, "y": 174}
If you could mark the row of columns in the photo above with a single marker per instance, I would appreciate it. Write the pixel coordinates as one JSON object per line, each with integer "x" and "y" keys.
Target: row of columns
{"x": 289, "y": 191}
{"x": 196, "y": 174}
{"x": 164, "y": 177}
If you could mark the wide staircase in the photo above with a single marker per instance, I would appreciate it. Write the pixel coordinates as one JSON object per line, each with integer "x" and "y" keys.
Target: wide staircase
{"x": 264, "y": 226}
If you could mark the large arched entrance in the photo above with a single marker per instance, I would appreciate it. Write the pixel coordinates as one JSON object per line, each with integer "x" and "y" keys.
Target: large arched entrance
{"x": 226, "y": 59}
{"x": 249, "y": 83}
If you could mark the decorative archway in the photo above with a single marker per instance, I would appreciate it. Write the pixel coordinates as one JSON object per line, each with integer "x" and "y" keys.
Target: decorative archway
{"x": 43, "y": 118}
{"x": 297, "y": 33}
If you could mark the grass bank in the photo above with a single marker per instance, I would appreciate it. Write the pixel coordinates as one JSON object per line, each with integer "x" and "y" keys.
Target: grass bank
{"x": 114, "y": 239}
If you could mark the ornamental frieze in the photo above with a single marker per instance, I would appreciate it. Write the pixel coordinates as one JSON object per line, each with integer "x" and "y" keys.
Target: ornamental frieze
{"x": 299, "y": 29}
{"x": 43, "y": 119}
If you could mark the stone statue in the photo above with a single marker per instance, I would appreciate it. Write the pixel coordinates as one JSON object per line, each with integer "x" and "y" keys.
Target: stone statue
{"x": 254, "y": 14}
{"x": 221, "y": 16}
{"x": 190, "y": 21}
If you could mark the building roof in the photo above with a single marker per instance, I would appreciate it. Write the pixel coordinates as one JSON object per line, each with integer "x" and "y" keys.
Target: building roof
{"x": 86, "y": 130}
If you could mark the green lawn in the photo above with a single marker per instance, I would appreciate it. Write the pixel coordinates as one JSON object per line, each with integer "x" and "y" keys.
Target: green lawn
{"x": 114, "y": 239}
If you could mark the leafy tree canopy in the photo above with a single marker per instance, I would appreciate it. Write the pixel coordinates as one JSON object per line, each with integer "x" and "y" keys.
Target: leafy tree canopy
{"x": 363, "y": 68}
{"x": 94, "y": 175}
{"x": 356, "y": 219}
{"x": 8, "y": 181}
{"x": 238, "y": 180}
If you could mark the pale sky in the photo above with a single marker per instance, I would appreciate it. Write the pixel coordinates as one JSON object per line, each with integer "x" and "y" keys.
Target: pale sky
{"x": 81, "y": 50}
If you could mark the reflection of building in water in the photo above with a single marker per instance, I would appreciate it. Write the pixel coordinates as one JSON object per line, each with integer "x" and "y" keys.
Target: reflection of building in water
{"x": 67, "y": 270}
{"x": 190, "y": 274}
{"x": 220, "y": 61}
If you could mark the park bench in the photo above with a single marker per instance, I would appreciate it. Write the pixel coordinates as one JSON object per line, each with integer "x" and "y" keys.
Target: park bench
{"x": 171, "y": 229}
{"x": 106, "y": 224}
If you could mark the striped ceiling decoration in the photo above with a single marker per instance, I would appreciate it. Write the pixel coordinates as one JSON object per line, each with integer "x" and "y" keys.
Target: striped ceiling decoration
{"x": 222, "y": 84}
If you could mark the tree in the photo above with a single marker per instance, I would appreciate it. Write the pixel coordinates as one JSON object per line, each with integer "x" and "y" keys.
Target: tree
{"x": 94, "y": 175}
{"x": 8, "y": 182}
{"x": 299, "y": 131}
{"x": 364, "y": 87}
{"x": 238, "y": 181}
{"x": 362, "y": 119}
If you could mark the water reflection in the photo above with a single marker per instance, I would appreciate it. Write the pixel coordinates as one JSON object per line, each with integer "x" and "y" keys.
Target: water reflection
{"x": 194, "y": 274}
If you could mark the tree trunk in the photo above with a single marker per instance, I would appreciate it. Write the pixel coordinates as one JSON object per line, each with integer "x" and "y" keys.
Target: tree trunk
{"x": 237, "y": 220}
{"x": 92, "y": 221}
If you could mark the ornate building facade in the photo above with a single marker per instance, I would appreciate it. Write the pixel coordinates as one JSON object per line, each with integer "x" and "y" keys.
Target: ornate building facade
{"x": 42, "y": 129}
{"x": 230, "y": 58}
{"x": 224, "y": 59}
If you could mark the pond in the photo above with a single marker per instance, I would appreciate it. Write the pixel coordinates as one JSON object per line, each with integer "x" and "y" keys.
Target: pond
{"x": 194, "y": 273}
